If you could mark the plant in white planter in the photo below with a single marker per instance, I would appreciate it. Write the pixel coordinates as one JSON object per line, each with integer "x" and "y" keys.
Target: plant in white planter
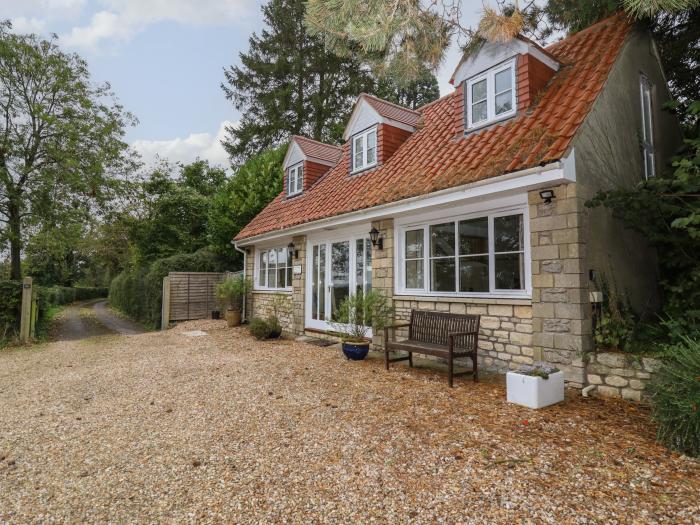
{"x": 535, "y": 386}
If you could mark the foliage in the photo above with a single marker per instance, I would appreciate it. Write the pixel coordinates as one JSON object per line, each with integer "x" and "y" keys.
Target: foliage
{"x": 61, "y": 139}
{"x": 232, "y": 291}
{"x": 540, "y": 369}
{"x": 675, "y": 395}
{"x": 278, "y": 307}
{"x": 137, "y": 291}
{"x": 359, "y": 312}
{"x": 289, "y": 83}
{"x": 412, "y": 94}
{"x": 242, "y": 197}
{"x": 666, "y": 211}
{"x": 615, "y": 327}
{"x": 10, "y": 303}
{"x": 259, "y": 328}
{"x": 399, "y": 38}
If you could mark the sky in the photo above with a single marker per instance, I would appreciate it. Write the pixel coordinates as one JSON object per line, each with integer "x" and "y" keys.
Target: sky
{"x": 164, "y": 60}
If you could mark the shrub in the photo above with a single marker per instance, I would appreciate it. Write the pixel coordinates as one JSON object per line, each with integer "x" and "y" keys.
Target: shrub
{"x": 675, "y": 395}
{"x": 10, "y": 303}
{"x": 259, "y": 328}
{"x": 232, "y": 291}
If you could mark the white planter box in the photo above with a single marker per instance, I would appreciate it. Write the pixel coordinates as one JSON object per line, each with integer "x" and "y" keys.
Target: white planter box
{"x": 533, "y": 391}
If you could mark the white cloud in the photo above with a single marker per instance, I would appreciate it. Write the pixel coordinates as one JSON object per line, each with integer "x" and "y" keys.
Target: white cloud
{"x": 122, "y": 19}
{"x": 203, "y": 145}
{"x": 25, "y": 25}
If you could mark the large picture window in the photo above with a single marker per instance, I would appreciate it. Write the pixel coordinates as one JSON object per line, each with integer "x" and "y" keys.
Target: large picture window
{"x": 475, "y": 255}
{"x": 274, "y": 269}
{"x": 490, "y": 96}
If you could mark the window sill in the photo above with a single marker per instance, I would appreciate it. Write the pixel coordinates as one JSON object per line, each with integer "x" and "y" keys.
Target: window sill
{"x": 362, "y": 170}
{"x": 518, "y": 300}
{"x": 279, "y": 291}
{"x": 488, "y": 124}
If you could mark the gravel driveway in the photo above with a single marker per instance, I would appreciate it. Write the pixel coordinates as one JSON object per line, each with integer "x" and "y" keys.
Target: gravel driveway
{"x": 162, "y": 427}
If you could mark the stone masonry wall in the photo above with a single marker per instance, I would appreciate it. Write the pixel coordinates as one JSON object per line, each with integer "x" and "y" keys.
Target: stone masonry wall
{"x": 383, "y": 268}
{"x": 299, "y": 286}
{"x": 263, "y": 306}
{"x": 620, "y": 375}
{"x": 561, "y": 312}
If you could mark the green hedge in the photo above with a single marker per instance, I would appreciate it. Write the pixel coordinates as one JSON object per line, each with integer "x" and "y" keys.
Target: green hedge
{"x": 138, "y": 292}
{"x": 10, "y": 303}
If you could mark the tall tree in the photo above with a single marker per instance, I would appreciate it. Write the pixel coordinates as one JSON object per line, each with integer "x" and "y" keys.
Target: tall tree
{"x": 61, "y": 137}
{"x": 288, "y": 83}
{"x": 413, "y": 94}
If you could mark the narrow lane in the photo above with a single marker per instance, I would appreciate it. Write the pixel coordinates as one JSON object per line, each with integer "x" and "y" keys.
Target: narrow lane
{"x": 89, "y": 319}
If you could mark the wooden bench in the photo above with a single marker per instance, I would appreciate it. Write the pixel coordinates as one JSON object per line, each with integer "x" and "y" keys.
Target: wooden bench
{"x": 438, "y": 334}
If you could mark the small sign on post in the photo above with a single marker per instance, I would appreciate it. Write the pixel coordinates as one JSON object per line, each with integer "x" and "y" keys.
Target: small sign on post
{"x": 25, "y": 323}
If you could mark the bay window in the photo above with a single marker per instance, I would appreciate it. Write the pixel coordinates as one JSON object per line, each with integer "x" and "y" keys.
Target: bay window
{"x": 274, "y": 269}
{"x": 364, "y": 150}
{"x": 474, "y": 255}
{"x": 490, "y": 96}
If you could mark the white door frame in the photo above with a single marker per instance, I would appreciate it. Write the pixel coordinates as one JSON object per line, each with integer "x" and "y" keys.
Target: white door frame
{"x": 328, "y": 238}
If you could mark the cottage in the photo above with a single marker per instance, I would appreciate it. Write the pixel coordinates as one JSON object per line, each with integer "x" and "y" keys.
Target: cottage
{"x": 475, "y": 203}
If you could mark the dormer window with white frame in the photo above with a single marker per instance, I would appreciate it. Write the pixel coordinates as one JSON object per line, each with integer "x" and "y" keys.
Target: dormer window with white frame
{"x": 295, "y": 179}
{"x": 490, "y": 96}
{"x": 364, "y": 150}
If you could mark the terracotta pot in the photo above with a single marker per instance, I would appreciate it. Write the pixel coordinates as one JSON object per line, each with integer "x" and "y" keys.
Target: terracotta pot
{"x": 233, "y": 318}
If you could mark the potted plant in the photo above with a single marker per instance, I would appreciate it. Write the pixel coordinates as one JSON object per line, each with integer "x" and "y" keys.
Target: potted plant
{"x": 355, "y": 315}
{"x": 279, "y": 307}
{"x": 231, "y": 291}
{"x": 535, "y": 386}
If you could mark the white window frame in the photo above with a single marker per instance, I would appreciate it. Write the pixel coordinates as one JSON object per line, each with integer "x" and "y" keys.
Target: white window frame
{"x": 400, "y": 261}
{"x": 295, "y": 179}
{"x": 263, "y": 285}
{"x": 646, "y": 91}
{"x": 363, "y": 136}
{"x": 490, "y": 77}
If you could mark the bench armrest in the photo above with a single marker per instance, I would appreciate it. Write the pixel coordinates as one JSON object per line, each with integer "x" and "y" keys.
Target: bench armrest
{"x": 399, "y": 325}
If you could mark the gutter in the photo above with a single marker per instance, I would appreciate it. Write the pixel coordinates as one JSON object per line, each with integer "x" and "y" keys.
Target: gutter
{"x": 565, "y": 171}
{"x": 245, "y": 260}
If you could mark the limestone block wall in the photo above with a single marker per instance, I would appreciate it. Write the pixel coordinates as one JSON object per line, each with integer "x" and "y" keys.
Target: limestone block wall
{"x": 561, "y": 311}
{"x": 383, "y": 267}
{"x": 620, "y": 375}
{"x": 299, "y": 286}
{"x": 263, "y": 306}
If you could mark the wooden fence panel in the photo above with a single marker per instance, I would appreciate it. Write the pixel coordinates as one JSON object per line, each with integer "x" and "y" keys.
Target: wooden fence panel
{"x": 193, "y": 294}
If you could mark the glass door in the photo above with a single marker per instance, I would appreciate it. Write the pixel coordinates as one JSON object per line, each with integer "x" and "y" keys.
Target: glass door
{"x": 336, "y": 269}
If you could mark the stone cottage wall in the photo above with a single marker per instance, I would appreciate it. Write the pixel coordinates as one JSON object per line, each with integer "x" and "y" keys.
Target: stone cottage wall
{"x": 561, "y": 311}
{"x": 620, "y": 375}
{"x": 263, "y": 307}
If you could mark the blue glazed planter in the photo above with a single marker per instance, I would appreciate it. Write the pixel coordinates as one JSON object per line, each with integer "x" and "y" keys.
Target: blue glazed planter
{"x": 356, "y": 351}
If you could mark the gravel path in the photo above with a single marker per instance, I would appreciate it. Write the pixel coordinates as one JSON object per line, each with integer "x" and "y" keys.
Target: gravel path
{"x": 162, "y": 427}
{"x": 89, "y": 319}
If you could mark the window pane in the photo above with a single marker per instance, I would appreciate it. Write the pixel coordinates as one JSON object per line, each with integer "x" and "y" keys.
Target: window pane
{"x": 300, "y": 179}
{"x": 368, "y": 265}
{"x": 414, "y": 274}
{"x": 509, "y": 271}
{"x": 474, "y": 236}
{"x": 281, "y": 277}
{"x": 442, "y": 275}
{"x": 282, "y": 256}
{"x": 314, "y": 286}
{"x": 289, "y": 276}
{"x": 262, "y": 272}
{"x": 414, "y": 244}
{"x": 474, "y": 274}
{"x": 359, "y": 265}
{"x": 442, "y": 240}
{"x": 371, "y": 147}
{"x": 479, "y": 112}
{"x": 290, "y": 181}
{"x": 504, "y": 80}
{"x": 322, "y": 282}
{"x": 508, "y": 233}
{"x": 479, "y": 91}
{"x": 272, "y": 277}
{"x": 504, "y": 102}
{"x": 357, "y": 151}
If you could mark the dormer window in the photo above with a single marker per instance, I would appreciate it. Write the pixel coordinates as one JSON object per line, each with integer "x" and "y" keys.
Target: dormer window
{"x": 295, "y": 179}
{"x": 364, "y": 150}
{"x": 491, "y": 96}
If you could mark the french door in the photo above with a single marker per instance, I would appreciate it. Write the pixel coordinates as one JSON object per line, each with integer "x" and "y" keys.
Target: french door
{"x": 335, "y": 269}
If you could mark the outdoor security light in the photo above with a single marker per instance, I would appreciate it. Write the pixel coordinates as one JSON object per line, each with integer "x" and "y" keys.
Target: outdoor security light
{"x": 377, "y": 241}
{"x": 547, "y": 195}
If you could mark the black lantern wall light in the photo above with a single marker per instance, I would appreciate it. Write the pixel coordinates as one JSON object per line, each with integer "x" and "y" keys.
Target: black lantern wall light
{"x": 377, "y": 241}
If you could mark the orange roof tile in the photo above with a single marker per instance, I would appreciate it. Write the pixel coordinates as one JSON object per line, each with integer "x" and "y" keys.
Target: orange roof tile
{"x": 318, "y": 150}
{"x": 392, "y": 111}
{"x": 432, "y": 159}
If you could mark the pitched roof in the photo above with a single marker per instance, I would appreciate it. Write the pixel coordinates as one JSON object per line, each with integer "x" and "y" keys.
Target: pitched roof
{"x": 318, "y": 150}
{"x": 431, "y": 159}
{"x": 392, "y": 111}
